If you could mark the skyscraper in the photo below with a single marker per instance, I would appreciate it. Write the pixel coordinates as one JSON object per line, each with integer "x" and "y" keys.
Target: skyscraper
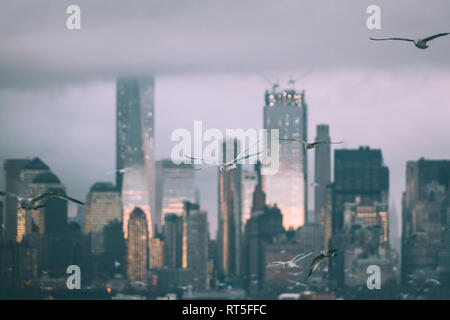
{"x": 49, "y": 215}
{"x": 322, "y": 173}
{"x": 358, "y": 174}
{"x": 230, "y": 206}
{"x": 426, "y": 202}
{"x": 195, "y": 243}
{"x": 287, "y": 112}
{"x": 12, "y": 169}
{"x": 135, "y": 147}
{"x": 103, "y": 205}
{"x": 173, "y": 232}
{"x": 156, "y": 253}
{"x": 137, "y": 246}
{"x": 175, "y": 184}
{"x": 249, "y": 182}
{"x": 361, "y": 185}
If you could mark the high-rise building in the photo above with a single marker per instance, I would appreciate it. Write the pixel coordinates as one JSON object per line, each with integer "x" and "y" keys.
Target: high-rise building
{"x": 287, "y": 112}
{"x": 249, "y": 182}
{"x": 156, "y": 253}
{"x": 13, "y": 184}
{"x": 173, "y": 232}
{"x": 137, "y": 246}
{"x": 230, "y": 206}
{"x": 322, "y": 173}
{"x": 425, "y": 207}
{"x": 49, "y": 216}
{"x": 135, "y": 147}
{"x": 311, "y": 236}
{"x": 372, "y": 215}
{"x": 359, "y": 202}
{"x": 195, "y": 243}
{"x": 175, "y": 184}
{"x": 103, "y": 205}
{"x": 264, "y": 227}
{"x": 358, "y": 174}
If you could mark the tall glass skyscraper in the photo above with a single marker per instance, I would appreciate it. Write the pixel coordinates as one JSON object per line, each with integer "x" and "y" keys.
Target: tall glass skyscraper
{"x": 322, "y": 173}
{"x": 287, "y": 112}
{"x": 230, "y": 206}
{"x": 175, "y": 184}
{"x": 135, "y": 147}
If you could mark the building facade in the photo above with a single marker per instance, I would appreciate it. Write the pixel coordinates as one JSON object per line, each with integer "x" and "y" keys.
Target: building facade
{"x": 287, "y": 112}
{"x": 103, "y": 205}
{"x": 135, "y": 147}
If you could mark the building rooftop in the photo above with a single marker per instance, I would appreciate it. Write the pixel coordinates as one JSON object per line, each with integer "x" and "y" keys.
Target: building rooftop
{"x": 46, "y": 177}
{"x": 36, "y": 164}
{"x": 103, "y": 187}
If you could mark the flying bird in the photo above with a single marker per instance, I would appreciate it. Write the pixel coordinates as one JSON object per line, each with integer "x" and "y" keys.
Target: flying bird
{"x": 226, "y": 166}
{"x": 291, "y": 263}
{"x": 419, "y": 43}
{"x": 320, "y": 258}
{"x": 33, "y": 203}
{"x": 121, "y": 171}
{"x": 309, "y": 145}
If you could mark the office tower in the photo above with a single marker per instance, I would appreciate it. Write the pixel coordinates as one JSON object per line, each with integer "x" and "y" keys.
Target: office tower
{"x": 115, "y": 247}
{"x": 311, "y": 236}
{"x": 287, "y": 112}
{"x": 358, "y": 173}
{"x": 195, "y": 243}
{"x": 322, "y": 172}
{"x": 137, "y": 245}
{"x": 230, "y": 205}
{"x": 361, "y": 177}
{"x": 103, "y": 205}
{"x": 370, "y": 215}
{"x": 261, "y": 229}
{"x": 135, "y": 147}
{"x": 425, "y": 208}
{"x": 156, "y": 253}
{"x": 175, "y": 184}
{"x": 173, "y": 233}
{"x": 249, "y": 182}
{"x": 12, "y": 183}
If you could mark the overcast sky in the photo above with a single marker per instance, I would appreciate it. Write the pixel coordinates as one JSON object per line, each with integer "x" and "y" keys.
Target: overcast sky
{"x": 57, "y": 87}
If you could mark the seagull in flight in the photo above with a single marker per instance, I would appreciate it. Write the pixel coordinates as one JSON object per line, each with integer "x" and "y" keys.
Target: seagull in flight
{"x": 419, "y": 43}
{"x": 324, "y": 254}
{"x": 33, "y": 203}
{"x": 227, "y": 166}
{"x": 121, "y": 171}
{"x": 309, "y": 145}
{"x": 291, "y": 263}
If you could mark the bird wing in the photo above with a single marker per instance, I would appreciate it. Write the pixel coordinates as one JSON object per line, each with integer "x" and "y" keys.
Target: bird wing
{"x": 436, "y": 36}
{"x": 55, "y": 194}
{"x": 301, "y": 257}
{"x": 6, "y": 193}
{"x": 208, "y": 166}
{"x": 293, "y": 139}
{"x": 339, "y": 142}
{"x": 245, "y": 157}
{"x": 317, "y": 260}
{"x": 204, "y": 160}
{"x": 402, "y": 39}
